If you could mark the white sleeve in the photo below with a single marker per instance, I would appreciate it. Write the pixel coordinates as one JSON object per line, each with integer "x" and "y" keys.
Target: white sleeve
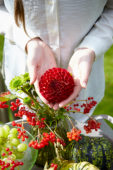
{"x": 8, "y": 28}
{"x": 100, "y": 37}
{"x": 5, "y": 20}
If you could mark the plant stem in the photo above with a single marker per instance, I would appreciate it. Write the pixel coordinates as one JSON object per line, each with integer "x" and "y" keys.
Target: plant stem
{"x": 30, "y": 95}
{"x": 70, "y": 120}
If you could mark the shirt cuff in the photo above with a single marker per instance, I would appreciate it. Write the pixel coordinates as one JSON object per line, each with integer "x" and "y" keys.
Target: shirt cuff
{"x": 98, "y": 45}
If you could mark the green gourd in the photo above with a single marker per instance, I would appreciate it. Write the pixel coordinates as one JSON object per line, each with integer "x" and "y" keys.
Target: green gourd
{"x": 97, "y": 151}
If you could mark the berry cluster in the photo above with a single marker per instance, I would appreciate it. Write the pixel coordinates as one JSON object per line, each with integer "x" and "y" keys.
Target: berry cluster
{"x": 14, "y": 105}
{"x": 72, "y": 108}
{"x": 83, "y": 108}
{"x": 22, "y": 111}
{"x": 41, "y": 123}
{"x": 46, "y": 138}
{"x": 55, "y": 166}
{"x": 21, "y": 132}
{"x": 92, "y": 124}
{"x": 31, "y": 117}
{"x": 4, "y": 94}
{"x": 90, "y": 103}
{"x": 9, "y": 152}
{"x": 61, "y": 141}
{"x": 4, "y": 165}
{"x": 56, "y": 85}
{"x": 8, "y": 162}
{"x": 31, "y": 120}
{"x": 15, "y": 164}
{"x": 3, "y": 105}
{"x": 17, "y": 124}
{"x": 74, "y": 134}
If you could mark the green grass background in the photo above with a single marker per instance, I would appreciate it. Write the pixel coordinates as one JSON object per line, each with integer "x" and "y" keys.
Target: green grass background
{"x": 106, "y": 105}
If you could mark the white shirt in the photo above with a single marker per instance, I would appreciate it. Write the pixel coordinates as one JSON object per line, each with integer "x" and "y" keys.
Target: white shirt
{"x": 64, "y": 25}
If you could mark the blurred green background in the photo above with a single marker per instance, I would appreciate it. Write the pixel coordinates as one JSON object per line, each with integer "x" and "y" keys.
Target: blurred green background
{"x": 1, "y": 48}
{"x": 106, "y": 105}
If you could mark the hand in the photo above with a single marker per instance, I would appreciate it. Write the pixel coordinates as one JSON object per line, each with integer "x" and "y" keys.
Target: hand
{"x": 40, "y": 59}
{"x": 80, "y": 66}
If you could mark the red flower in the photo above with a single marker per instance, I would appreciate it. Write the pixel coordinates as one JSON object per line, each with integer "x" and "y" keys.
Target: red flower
{"x": 56, "y": 85}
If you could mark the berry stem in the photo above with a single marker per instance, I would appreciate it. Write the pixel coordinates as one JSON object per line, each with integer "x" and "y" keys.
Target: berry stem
{"x": 70, "y": 121}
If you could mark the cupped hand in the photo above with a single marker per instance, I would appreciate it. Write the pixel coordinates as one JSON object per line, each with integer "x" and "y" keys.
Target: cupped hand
{"x": 80, "y": 66}
{"x": 40, "y": 58}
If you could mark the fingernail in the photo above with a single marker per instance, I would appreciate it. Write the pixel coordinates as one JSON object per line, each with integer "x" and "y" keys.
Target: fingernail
{"x": 60, "y": 105}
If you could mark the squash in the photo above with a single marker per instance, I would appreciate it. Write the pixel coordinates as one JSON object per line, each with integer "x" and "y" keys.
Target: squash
{"x": 79, "y": 166}
{"x": 71, "y": 165}
{"x": 98, "y": 151}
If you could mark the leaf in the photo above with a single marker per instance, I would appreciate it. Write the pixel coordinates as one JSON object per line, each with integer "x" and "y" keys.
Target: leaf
{"x": 59, "y": 117}
{"x": 7, "y": 97}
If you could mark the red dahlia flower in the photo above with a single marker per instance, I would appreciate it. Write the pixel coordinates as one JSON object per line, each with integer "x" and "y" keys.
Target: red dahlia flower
{"x": 56, "y": 85}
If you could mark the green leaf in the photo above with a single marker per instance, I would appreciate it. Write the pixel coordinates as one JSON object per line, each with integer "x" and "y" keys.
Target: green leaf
{"x": 27, "y": 100}
{"x": 59, "y": 117}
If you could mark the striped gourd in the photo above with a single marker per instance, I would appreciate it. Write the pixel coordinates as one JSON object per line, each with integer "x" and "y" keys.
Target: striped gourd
{"x": 98, "y": 151}
{"x": 79, "y": 166}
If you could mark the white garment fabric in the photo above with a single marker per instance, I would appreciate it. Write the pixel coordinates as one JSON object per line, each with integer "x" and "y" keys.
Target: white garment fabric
{"x": 65, "y": 25}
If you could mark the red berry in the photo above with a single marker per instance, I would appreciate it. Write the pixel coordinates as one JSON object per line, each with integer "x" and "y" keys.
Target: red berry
{"x": 3, "y": 154}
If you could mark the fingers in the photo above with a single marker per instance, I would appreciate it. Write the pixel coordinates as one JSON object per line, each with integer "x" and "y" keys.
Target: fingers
{"x": 77, "y": 90}
{"x": 84, "y": 73}
{"x": 56, "y": 106}
{"x": 33, "y": 74}
{"x": 36, "y": 84}
{"x": 50, "y": 105}
{"x": 32, "y": 68}
{"x": 85, "y": 69}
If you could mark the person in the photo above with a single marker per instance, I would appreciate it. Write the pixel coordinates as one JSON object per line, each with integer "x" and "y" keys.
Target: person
{"x": 72, "y": 34}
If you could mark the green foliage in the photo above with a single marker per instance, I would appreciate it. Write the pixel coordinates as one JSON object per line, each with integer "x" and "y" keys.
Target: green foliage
{"x": 19, "y": 82}
{"x": 27, "y": 100}
{"x": 106, "y": 105}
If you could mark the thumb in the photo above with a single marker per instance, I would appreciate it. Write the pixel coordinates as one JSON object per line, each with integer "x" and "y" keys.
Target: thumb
{"x": 33, "y": 74}
{"x": 85, "y": 70}
{"x": 37, "y": 88}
